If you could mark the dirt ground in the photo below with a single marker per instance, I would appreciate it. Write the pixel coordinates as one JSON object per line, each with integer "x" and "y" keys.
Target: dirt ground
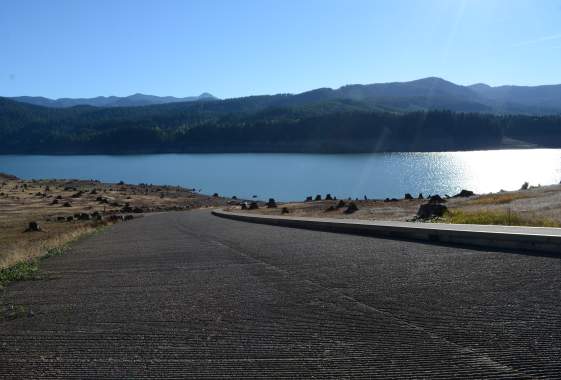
{"x": 65, "y": 209}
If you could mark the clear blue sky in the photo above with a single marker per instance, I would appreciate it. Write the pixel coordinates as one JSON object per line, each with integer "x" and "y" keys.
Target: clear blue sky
{"x": 82, "y": 48}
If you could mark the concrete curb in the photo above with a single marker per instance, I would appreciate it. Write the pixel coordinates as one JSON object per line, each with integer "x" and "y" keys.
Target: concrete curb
{"x": 529, "y": 239}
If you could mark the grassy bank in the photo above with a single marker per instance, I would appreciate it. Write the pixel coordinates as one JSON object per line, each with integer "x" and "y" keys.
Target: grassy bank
{"x": 504, "y": 218}
{"x": 23, "y": 263}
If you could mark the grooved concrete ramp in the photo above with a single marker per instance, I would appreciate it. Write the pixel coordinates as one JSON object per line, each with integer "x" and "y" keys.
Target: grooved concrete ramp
{"x": 182, "y": 295}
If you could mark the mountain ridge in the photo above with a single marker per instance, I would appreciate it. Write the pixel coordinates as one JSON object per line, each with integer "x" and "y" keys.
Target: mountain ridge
{"x": 420, "y": 94}
{"x": 134, "y": 100}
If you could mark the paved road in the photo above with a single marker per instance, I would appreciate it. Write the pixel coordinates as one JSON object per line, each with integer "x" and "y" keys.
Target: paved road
{"x": 191, "y": 295}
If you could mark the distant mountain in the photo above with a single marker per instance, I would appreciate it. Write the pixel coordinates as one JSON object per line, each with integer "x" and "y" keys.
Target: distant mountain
{"x": 110, "y": 101}
{"x": 436, "y": 93}
{"x": 423, "y": 94}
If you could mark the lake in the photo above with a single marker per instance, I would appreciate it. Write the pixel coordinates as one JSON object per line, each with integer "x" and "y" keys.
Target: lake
{"x": 294, "y": 176}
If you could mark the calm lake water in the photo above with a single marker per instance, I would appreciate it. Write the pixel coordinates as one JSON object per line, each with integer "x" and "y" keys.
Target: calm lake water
{"x": 294, "y": 176}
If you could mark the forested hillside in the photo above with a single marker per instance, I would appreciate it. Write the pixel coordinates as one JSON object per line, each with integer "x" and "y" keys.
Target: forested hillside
{"x": 261, "y": 124}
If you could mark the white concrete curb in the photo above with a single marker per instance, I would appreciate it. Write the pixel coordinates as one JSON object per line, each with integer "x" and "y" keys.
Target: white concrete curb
{"x": 530, "y": 239}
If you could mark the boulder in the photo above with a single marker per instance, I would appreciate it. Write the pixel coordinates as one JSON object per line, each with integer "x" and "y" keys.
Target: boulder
{"x": 83, "y": 216}
{"x": 77, "y": 195}
{"x": 431, "y": 210}
{"x": 436, "y": 199}
{"x": 253, "y": 206}
{"x": 464, "y": 194}
{"x": 33, "y": 227}
{"x": 351, "y": 208}
{"x": 127, "y": 208}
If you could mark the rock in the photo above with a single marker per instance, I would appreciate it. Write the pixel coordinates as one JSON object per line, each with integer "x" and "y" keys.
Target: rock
{"x": 408, "y": 197}
{"x": 341, "y": 204}
{"x": 253, "y": 206}
{"x": 271, "y": 203}
{"x": 328, "y": 197}
{"x": 127, "y": 208}
{"x": 351, "y": 208}
{"x": 284, "y": 210}
{"x": 436, "y": 199}
{"x": 464, "y": 194}
{"x": 317, "y": 198}
{"x": 33, "y": 227}
{"x": 431, "y": 210}
{"x": 83, "y": 216}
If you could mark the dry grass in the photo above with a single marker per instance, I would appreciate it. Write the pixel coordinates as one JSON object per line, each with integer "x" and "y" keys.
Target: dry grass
{"x": 25, "y": 250}
{"x": 504, "y": 218}
{"x": 497, "y": 199}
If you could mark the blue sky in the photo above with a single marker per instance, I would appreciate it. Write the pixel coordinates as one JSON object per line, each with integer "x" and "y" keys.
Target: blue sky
{"x": 82, "y": 48}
